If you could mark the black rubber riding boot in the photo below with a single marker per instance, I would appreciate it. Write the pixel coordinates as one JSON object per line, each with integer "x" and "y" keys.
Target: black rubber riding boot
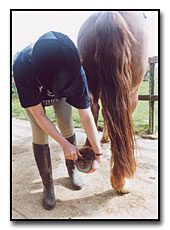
{"x": 43, "y": 160}
{"x": 72, "y": 171}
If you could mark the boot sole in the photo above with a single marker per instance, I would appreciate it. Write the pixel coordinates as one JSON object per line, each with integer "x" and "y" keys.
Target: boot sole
{"x": 76, "y": 187}
{"x": 48, "y": 207}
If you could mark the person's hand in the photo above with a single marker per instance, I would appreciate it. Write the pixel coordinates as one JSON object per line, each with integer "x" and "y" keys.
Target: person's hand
{"x": 96, "y": 163}
{"x": 70, "y": 151}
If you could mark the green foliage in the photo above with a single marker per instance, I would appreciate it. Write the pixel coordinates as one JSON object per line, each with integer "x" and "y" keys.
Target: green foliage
{"x": 141, "y": 113}
{"x": 14, "y": 90}
{"x": 17, "y": 111}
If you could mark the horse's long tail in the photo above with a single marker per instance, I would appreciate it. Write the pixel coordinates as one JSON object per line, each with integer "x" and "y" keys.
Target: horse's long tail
{"x": 113, "y": 59}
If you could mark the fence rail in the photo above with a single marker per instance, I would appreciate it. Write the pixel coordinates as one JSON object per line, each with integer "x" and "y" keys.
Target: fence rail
{"x": 151, "y": 97}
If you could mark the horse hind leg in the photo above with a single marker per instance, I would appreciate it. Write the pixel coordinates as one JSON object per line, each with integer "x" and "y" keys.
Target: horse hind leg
{"x": 121, "y": 186}
{"x": 105, "y": 136}
{"x": 95, "y": 111}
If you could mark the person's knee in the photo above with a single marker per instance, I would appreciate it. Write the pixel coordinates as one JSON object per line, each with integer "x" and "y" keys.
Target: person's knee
{"x": 67, "y": 134}
{"x": 39, "y": 138}
{"x": 66, "y": 128}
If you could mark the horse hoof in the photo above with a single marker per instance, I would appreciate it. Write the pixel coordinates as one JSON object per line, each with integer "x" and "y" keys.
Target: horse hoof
{"x": 103, "y": 140}
{"x": 123, "y": 191}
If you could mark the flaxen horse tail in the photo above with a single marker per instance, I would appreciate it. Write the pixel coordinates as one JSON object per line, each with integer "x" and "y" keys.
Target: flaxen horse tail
{"x": 113, "y": 59}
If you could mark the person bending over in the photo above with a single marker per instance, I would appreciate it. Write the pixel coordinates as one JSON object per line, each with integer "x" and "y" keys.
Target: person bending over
{"x": 49, "y": 73}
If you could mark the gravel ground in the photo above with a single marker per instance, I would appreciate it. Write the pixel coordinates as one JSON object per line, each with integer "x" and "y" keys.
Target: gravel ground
{"x": 97, "y": 199}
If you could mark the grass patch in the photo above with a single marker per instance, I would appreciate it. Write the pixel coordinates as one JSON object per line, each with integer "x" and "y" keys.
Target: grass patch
{"x": 17, "y": 111}
{"x": 140, "y": 116}
{"x": 141, "y": 113}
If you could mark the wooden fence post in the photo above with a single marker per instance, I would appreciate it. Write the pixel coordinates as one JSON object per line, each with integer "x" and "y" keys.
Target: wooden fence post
{"x": 152, "y": 62}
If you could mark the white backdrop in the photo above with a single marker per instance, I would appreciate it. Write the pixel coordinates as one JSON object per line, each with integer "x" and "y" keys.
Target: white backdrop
{"x": 5, "y": 101}
{"x": 28, "y": 26}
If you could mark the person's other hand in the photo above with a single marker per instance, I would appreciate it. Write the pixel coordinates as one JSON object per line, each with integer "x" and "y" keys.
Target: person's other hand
{"x": 96, "y": 163}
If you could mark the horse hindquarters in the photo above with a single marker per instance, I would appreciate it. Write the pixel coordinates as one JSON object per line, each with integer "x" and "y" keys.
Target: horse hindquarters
{"x": 86, "y": 47}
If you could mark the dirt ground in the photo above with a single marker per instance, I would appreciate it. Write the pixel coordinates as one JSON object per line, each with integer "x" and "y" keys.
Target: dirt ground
{"x": 97, "y": 199}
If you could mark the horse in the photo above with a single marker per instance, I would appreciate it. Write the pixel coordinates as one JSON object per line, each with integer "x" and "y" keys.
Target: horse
{"x": 113, "y": 48}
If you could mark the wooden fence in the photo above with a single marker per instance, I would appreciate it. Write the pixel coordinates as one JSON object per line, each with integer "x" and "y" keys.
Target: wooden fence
{"x": 151, "y": 97}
